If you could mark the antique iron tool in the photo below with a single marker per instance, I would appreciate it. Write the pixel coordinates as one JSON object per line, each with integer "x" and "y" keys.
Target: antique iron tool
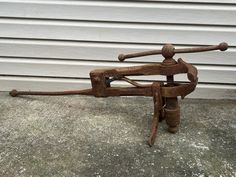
{"x": 164, "y": 93}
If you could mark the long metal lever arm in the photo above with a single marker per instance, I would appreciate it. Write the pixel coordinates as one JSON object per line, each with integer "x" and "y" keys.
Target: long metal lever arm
{"x": 15, "y": 93}
{"x": 222, "y": 46}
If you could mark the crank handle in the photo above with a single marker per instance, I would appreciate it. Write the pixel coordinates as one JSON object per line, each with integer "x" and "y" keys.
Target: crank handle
{"x": 169, "y": 51}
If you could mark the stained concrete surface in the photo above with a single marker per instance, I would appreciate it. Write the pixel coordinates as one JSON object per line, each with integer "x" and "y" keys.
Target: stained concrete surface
{"x": 104, "y": 137}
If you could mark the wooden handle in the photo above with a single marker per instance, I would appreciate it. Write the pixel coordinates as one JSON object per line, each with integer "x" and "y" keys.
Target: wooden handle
{"x": 168, "y": 50}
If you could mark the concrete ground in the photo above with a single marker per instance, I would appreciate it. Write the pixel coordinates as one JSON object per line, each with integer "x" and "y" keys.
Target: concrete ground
{"x": 104, "y": 137}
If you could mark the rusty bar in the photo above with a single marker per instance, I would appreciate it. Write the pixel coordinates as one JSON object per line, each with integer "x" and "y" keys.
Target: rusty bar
{"x": 222, "y": 46}
{"x": 15, "y": 93}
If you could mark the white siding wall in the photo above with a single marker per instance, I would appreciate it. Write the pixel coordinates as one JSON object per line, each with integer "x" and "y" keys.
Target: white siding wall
{"x": 53, "y": 44}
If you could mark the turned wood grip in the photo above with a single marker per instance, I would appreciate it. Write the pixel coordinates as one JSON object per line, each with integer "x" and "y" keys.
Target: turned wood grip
{"x": 222, "y": 46}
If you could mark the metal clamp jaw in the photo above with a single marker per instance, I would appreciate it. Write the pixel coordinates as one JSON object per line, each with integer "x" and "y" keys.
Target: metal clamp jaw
{"x": 171, "y": 110}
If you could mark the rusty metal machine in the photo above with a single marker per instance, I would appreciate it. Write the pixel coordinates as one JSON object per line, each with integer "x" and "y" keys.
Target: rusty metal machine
{"x": 164, "y": 93}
